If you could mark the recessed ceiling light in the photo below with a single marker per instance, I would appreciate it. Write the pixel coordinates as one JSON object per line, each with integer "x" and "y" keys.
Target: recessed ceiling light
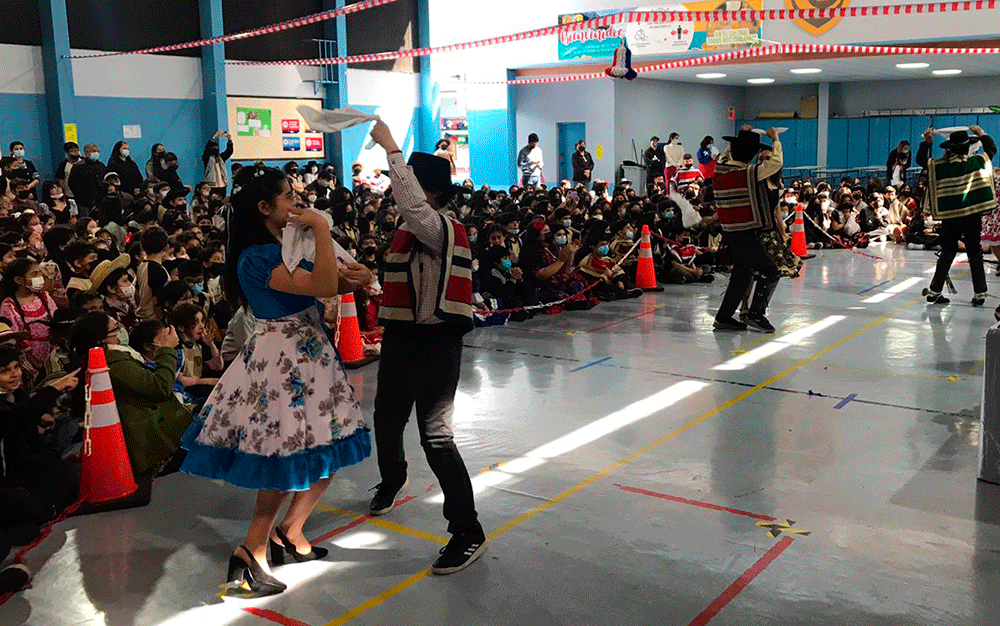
{"x": 806, "y": 70}
{"x": 912, "y": 66}
{"x": 760, "y": 81}
{"x": 711, "y": 75}
{"x": 946, "y": 72}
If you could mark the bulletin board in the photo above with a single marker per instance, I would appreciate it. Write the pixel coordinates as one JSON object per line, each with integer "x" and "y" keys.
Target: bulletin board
{"x": 271, "y": 129}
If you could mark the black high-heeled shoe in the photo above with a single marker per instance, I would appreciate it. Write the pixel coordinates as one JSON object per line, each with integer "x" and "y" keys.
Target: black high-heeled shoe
{"x": 250, "y": 572}
{"x": 278, "y": 551}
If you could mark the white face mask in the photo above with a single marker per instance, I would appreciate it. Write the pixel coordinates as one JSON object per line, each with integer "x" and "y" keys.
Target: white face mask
{"x": 312, "y": 198}
{"x": 128, "y": 291}
{"x": 37, "y": 283}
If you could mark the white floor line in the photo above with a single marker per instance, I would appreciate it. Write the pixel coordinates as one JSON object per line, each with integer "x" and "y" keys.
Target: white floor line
{"x": 882, "y": 296}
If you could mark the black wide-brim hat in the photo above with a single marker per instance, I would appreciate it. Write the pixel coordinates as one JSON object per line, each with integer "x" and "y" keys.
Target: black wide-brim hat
{"x": 434, "y": 175}
{"x": 747, "y": 139}
{"x": 959, "y": 139}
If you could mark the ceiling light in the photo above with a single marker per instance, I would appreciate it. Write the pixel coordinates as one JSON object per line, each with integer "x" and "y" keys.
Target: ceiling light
{"x": 760, "y": 81}
{"x": 806, "y": 70}
{"x": 710, "y": 76}
{"x": 946, "y": 72}
{"x": 912, "y": 66}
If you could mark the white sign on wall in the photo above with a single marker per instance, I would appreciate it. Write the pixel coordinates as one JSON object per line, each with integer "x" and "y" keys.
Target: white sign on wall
{"x": 660, "y": 37}
{"x": 132, "y": 131}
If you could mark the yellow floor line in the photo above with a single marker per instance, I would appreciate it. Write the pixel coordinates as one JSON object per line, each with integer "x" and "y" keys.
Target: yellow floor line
{"x": 381, "y": 523}
{"x": 520, "y": 519}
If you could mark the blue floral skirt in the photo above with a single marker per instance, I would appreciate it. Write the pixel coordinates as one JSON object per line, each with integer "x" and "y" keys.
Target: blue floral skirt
{"x": 283, "y": 416}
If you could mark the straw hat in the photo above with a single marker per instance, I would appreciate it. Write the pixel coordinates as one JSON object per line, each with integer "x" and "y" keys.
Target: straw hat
{"x": 7, "y": 333}
{"x": 105, "y": 268}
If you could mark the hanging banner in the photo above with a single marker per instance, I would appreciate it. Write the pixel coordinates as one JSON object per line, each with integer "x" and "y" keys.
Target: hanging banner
{"x": 589, "y": 43}
{"x": 818, "y": 25}
{"x": 654, "y": 38}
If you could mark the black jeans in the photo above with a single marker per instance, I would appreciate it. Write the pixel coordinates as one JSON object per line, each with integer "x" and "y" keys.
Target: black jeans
{"x": 421, "y": 366}
{"x": 969, "y": 229}
{"x": 748, "y": 256}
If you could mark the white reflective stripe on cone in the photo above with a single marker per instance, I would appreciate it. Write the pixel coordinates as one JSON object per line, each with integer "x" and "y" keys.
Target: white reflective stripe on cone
{"x": 347, "y": 307}
{"x": 100, "y": 382}
{"x": 102, "y": 415}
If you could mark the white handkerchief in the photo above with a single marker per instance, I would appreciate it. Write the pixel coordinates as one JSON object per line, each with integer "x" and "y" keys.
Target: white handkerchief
{"x": 299, "y": 244}
{"x": 334, "y": 121}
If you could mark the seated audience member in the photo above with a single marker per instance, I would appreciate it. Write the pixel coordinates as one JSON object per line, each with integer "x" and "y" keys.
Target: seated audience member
{"x": 189, "y": 321}
{"x": 29, "y": 309}
{"x": 612, "y": 283}
{"x": 111, "y": 281}
{"x": 81, "y": 258}
{"x": 153, "y": 419}
{"x": 151, "y": 276}
{"x": 550, "y": 267}
{"x": 499, "y": 279}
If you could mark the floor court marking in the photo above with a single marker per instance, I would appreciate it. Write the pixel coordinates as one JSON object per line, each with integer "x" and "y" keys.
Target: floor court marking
{"x": 627, "y": 319}
{"x": 274, "y": 616}
{"x": 874, "y": 287}
{"x": 741, "y": 583}
{"x": 591, "y": 364}
{"x": 846, "y": 401}
{"x": 697, "y": 503}
{"x": 358, "y": 521}
{"x": 381, "y": 523}
{"x": 736, "y": 587}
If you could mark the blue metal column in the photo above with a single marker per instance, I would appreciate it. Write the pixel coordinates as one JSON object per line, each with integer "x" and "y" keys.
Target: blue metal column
{"x": 428, "y": 125}
{"x": 335, "y": 31}
{"x": 214, "y": 110}
{"x": 59, "y": 98}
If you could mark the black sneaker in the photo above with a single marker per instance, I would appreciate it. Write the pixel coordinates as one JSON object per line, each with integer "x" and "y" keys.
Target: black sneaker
{"x": 460, "y": 553}
{"x": 385, "y": 497}
{"x": 744, "y": 316}
{"x": 14, "y": 578}
{"x": 729, "y": 324}
{"x": 759, "y": 323}
{"x": 937, "y": 298}
{"x": 979, "y": 299}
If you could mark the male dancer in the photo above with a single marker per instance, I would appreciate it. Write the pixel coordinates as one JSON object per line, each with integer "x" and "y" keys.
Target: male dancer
{"x": 743, "y": 209}
{"x": 960, "y": 190}
{"x": 426, "y": 309}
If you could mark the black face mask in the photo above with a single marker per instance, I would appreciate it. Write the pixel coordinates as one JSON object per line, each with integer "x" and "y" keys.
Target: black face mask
{"x": 583, "y": 149}
{"x": 370, "y": 251}
{"x": 24, "y": 194}
{"x": 216, "y": 269}
{"x": 350, "y": 216}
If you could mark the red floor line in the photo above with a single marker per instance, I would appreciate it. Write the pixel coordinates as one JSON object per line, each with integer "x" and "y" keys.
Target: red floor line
{"x": 697, "y": 503}
{"x": 275, "y": 617}
{"x": 361, "y": 520}
{"x": 741, "y": 583}
{"x": 627, "y": 319}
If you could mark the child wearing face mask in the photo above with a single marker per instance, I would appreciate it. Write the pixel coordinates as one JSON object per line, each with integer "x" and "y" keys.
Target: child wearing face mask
{"x": 599, "y": 266}
{"x": 30, "y": 310}
{"x": 81, "y": 257}
{"x": 111, "y": 280}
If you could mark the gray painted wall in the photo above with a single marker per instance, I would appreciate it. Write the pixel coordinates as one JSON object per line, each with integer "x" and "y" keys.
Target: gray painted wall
{"x": 774, "y": 98}
{"x": 541, "y": 107}
{"x": 653, "y": 107}
{"x": 852, "y": 99}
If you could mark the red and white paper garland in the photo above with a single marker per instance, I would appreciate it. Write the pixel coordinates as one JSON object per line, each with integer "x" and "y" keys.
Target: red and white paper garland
{"x": 256, "y": 32}
{"x": 651, "y": 17}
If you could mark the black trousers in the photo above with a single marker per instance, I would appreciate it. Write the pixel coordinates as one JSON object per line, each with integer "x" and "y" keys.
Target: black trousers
{"x": 969, "y": 229}
{"x": 748, "y": 257}
{"x": 420, "y": 366}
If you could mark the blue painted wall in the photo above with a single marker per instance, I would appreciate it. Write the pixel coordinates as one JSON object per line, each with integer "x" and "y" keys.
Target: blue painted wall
{"x": 490, "y": 152}
{"x": 25, "y": 118}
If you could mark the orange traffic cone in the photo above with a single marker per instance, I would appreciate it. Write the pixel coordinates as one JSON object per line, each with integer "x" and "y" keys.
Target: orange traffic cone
{"x": 645, "y": 274}
{"x": 799, "y": 234}
{"x": 106, "y": 474}
{"x": 352, "y": 351}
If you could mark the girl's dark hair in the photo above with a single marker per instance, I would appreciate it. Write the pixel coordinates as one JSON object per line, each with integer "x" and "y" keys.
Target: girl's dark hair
{"x": 88, "y": 332}
{"x": 172, "y": 294}
{"x": 17, "y": 269}
{"x": 185, "y": 316}
{"x": 81, "y": 226}
{"x": 707, "y": 140}
{"x": 252, "y": 186}
{"x": 144, "y": 334}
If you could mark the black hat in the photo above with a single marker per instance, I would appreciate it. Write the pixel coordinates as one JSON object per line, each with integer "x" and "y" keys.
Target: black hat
{"x": 65, "y": 317}
{"x": 434, "y": 175}
{"x": 748, "y": 140}
{"x": 959, "y": 139}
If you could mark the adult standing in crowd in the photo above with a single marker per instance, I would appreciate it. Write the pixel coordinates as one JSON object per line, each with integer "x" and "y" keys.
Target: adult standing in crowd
{"x": 86, "y": 179}
{"x": 654, "y": 159}
{"x": 707, "y": 154}
{"x": 960, "y": 191}
{"x": 65, "y": 167}
{"x": 674, "y": 155}
{"x": 154, "y": 165}
{"x": 530, "y": 162}
{"x": 128, "y": 172}
{"x": 741, "y": 192}
{"x": 898, "y": 162}
{"x": 443, "y": 150}
{"x": 583, "y": 164}
{"x": 25, "y": 168}
{"x": 426, "y": 310}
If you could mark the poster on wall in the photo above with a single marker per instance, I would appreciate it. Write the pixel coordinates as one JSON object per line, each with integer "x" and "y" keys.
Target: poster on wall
{"x": 272, "y": 129}
{"x": 817, "y": 26}
{"x": 455, "y": 128}
{"x": 589, "y": 43}
{"x": 658, "y": 38}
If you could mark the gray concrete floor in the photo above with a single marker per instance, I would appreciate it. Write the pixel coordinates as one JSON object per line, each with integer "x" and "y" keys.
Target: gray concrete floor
{"x": 633, "y": 453}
